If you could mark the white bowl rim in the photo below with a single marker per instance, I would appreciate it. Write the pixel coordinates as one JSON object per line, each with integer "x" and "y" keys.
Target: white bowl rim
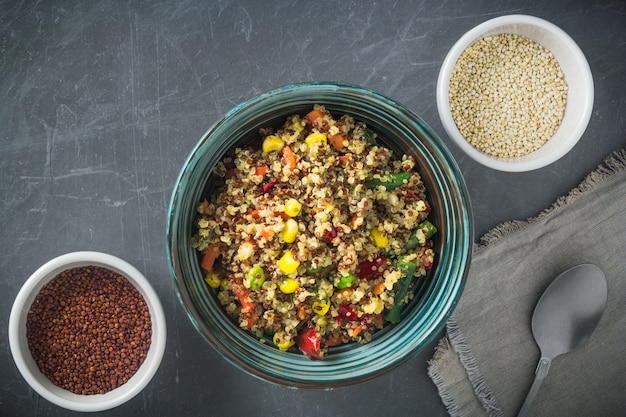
{"x": 518, "y": 164}
{"x": 97, "y": 402}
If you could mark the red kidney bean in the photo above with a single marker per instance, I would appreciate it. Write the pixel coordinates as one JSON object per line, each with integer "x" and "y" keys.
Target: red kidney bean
{"x": 89, "y": 330}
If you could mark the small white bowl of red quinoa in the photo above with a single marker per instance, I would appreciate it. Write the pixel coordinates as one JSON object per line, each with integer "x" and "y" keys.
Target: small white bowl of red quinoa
{"x": 87, "y": 331}
{"x": 515, "y": 93}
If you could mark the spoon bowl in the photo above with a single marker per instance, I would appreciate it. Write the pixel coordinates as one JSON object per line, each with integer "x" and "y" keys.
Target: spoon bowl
{"x": 565, "y": 316}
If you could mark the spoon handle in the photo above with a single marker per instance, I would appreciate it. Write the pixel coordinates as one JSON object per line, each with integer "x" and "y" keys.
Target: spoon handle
{"x": 540, "y": 374}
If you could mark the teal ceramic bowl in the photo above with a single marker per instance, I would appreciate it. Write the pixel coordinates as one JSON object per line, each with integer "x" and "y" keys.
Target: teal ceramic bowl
{"x": 435, "y": 298}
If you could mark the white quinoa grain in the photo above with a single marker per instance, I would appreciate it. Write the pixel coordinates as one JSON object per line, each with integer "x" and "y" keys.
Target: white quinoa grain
{"x": 507, "y": 95}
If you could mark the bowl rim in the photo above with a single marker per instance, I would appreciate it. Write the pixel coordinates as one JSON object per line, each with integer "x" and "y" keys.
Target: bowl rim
{"x": 28, "y": 368}
{"x": 451, "y": 287}
{"x": 515, "y": 164}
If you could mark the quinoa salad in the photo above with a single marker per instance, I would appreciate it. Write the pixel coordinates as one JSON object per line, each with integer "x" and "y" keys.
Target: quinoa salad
{"x": 317, "y": 235}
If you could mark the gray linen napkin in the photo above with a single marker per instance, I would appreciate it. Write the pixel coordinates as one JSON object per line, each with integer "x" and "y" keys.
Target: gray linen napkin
{"x": 485, "y": 364}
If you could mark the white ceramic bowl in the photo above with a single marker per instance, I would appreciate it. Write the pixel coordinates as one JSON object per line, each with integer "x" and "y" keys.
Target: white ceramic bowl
{"x": 577, "y": 75}
{"x": 29, "y": 369}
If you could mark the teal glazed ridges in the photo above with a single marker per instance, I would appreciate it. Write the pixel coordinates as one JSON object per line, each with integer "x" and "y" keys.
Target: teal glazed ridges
{"x": 435, "y": 296}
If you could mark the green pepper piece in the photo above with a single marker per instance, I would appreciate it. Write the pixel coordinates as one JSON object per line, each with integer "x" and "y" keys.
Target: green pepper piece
{"x": 426, "y": 228}
{"x": 311, "y": 271}
{"x": 429, "y": 228}
{"x": 412, "y": 242}
{"x": 389, "y": 181}
{"x": 322, "y": 271}
{"x": 369, "y": 135}
{"x": 394, "y": 313}
{"x": 255, "y": 277}
{"x": 345, "y": 281}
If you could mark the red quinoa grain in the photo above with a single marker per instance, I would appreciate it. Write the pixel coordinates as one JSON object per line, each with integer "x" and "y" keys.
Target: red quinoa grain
{"x": 89, "y": 330}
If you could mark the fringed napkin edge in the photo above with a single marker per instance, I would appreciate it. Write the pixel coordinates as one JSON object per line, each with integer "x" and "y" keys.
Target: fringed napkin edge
{"x": 611, "y": 165}
{"x": 454, "y": 339}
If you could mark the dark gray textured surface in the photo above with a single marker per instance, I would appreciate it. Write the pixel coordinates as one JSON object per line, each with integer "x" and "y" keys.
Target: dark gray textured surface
{"x": 102, "y": 101}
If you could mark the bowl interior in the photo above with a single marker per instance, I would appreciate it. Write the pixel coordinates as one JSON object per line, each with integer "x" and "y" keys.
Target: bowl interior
{"x": 577, "y": 76}
{"x": 403, "y": 132}
{"x": 27, "y": 365}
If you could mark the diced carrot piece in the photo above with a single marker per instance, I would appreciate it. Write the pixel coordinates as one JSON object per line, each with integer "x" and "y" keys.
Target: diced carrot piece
{"x": 261, "y": 170}
{"x": 290, "y": 160}
{"x": 242, "y": 295}
{"x": 302, "y": 313}
{"x": 255, "y": 214}
{"x": 314, "y": 115}
{"x": 247, "y": 306}
{"x": 379, "y": 288}
{"x": 337, "y": 141}
{"x": 208, "y": 259}
{"x": 356, "y": 331}
{"x": 344, "y": 159}
{"x": 266, "y": 233}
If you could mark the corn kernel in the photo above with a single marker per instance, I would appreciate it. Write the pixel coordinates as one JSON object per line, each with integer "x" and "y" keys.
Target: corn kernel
{"x": 380, "y": 238}
{"x": 289, "y": 285}
{"x": 296, "y": 124}
{"x": 290, "y": 231}
{"x": 321, "y": 307}
{"x": 281, "y": 341}
{"x": 213, "y": 280}
{"x": 315, "y": 138}
{"x": 272, "y": 143}
{"x": 292, "y": 207}
{"x": 287, "y": 263}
